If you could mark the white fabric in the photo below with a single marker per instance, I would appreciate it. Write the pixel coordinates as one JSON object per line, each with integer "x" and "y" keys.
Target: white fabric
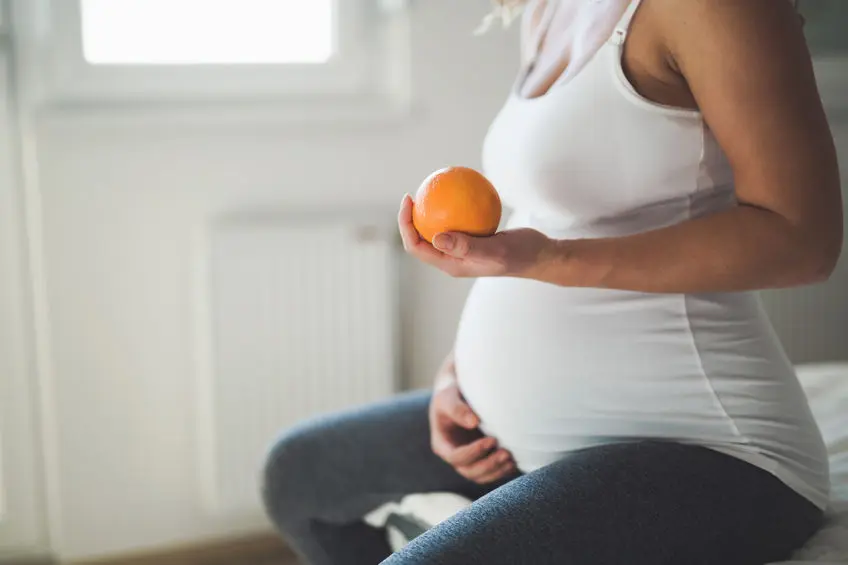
{"x": 431, "y": 509}
{"x": 571, "y": 32}
{"x": 826, "y": 386}
{"x": 551, "y": 369}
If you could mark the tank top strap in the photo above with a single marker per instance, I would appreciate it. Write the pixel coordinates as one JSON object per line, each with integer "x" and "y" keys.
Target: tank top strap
{"x": 623, "y": 26}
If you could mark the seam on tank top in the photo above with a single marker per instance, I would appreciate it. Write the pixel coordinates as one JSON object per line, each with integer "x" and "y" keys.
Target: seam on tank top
{"x": 699, "y": 179}
{"x": 703, "y": 371}
{"x": 626, "y": 88}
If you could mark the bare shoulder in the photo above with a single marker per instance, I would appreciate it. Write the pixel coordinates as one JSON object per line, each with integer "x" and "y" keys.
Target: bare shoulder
{"x": 768, "y": 31}
{"x": 739, "y": 58}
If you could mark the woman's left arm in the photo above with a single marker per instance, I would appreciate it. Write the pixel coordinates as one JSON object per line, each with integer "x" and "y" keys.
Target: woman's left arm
{"x": 749, "y": 69}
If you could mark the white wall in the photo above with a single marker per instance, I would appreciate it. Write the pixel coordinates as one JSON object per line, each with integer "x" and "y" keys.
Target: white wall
{"x": 122, "y": 203}
{"x": 20, "y": 526}
{"x": 121, "y": 206}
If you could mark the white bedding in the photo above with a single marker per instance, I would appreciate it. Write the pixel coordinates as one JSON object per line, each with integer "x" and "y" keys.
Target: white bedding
{"x": 826, "y": 386}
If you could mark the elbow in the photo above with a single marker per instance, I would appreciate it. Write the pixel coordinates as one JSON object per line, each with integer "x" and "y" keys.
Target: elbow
{"x": 816, "y": 244}
{"x": 830, "y": 261}
{"x": 823, "y": 257}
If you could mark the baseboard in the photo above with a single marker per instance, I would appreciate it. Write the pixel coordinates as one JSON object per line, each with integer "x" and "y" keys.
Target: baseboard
{"x": 33, "y": 560}
{"x": 259, "y": 550}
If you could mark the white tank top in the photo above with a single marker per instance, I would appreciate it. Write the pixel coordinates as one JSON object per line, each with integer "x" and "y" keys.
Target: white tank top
{"x": 551, "y": 369}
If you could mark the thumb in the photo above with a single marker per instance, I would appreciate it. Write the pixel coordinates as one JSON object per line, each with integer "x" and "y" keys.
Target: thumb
{"x": 461, "y": 246}
{"x": 457, "y": 410}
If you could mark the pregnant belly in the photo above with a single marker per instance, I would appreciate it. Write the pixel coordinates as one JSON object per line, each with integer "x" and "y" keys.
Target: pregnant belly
{"x": 551, "y": 369}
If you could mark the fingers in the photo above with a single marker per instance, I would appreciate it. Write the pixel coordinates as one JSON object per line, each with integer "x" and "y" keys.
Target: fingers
{"x": 445, "y": 242}
{"x": 486, "y": 466}
{"x": 413, "y": 243}
{"x": 491, "y": 469}
{"x": 453, "y": 244}
{"x": 479, "y": 461}
{"x": 489, "y": 249}
{"x": 454, "y": 434}
{"x": 452, "y": 406}
{"x": 469, "y": 454}
{"x": 408, "y": 232}
{"x": 453, "y": 424}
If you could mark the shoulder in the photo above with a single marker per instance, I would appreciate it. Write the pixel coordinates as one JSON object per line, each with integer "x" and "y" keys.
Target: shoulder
{"x": 769, "y": 29}
{"x": 732, "y": 12}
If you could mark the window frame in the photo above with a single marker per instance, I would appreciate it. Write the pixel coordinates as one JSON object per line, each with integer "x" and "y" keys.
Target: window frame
{"x": 352, "y": 72}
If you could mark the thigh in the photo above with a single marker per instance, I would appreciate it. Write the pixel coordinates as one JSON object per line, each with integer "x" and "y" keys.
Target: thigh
{"x": 339, "y": 467}
{"x": 639, "y": 503}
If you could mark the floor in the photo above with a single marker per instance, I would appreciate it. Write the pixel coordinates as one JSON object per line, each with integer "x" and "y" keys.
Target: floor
{"x": 281, "y": 561}
{"x": 258, "y": 550}
{"x": 284, "y": 558}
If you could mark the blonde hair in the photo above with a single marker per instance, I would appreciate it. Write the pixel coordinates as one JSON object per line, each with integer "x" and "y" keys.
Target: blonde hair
{"x": 503, "y": 11}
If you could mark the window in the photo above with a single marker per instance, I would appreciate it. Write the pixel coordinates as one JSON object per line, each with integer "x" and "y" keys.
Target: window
{"x": 241, "y": 51}
{"x": 198, "y": 32}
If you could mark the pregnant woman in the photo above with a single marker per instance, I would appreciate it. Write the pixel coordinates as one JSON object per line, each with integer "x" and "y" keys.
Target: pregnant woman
{"x": 616, "y": 394}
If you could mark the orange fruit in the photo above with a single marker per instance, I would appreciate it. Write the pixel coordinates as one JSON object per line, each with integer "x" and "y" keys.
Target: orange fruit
{"x": 456, "y": 199}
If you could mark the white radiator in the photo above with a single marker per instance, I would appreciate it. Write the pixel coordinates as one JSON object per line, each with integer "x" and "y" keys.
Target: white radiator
{"x": 303, "y": 321}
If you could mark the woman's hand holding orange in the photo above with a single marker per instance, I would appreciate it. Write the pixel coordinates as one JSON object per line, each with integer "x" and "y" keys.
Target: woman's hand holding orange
{"x": 517, "y": 253}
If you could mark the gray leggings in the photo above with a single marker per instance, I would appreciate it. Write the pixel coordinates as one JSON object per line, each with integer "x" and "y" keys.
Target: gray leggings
{"x": 642, "y": 503}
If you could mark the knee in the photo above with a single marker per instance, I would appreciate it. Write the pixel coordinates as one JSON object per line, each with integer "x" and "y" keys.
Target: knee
{"x": 286, "y": 477}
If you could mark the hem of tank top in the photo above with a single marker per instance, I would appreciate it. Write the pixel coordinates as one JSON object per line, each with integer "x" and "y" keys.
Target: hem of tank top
{"x": 785, "y": 475}
{"x": 750, "y": 453}
{"x": 626, "y": 87}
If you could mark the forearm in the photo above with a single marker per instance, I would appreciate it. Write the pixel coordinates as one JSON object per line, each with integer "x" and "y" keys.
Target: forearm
{"x": 744, "y": 248}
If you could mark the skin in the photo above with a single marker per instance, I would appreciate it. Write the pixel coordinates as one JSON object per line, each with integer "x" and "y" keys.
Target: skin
{"x": 454, "y": 436}
{"x": 756, "y": 90}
